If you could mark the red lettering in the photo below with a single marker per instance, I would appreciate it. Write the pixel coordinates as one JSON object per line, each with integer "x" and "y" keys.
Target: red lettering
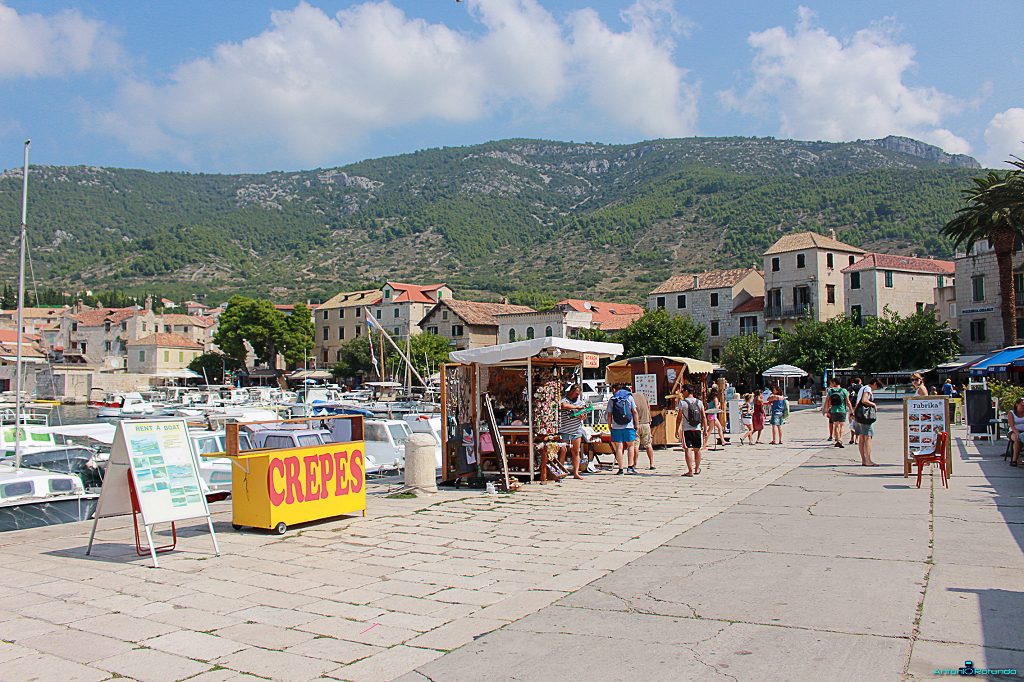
{"x": 341, "y": 473}
{"x": 326, "y": 472}
{"x": 292, "y": 482}
{"x": 355, "y": 464}
{"x": 276, "y": 496}
{"x": 312, "y": 491}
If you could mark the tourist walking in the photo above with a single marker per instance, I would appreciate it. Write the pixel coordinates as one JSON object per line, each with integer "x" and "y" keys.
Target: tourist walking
{"x": 1015, "y": 423}
{"x": 622, "y": 418}
{"x": 713, "y": 433}
{"x": 836, "y": 406}
{"x": 570, "y": 424}
{"x": 854, "y": 392}
{"x": 644, "y": 436}
{"x": 692, "y": 422}
{"x": 865, "y": 415}
{"x": 758, "y": 421}
{"x": 778, "y": 406}
{"x": 747, "y": 418}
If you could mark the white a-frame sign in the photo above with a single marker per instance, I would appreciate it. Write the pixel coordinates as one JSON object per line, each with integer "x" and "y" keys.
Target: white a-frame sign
{"x": 157, "y": 456}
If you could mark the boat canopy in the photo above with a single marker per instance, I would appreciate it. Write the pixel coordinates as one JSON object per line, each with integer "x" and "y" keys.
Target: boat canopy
{"x": 553, "y": 346}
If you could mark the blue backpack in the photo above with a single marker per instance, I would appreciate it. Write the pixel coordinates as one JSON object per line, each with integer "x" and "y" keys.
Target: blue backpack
{"x": 622, "y": 412}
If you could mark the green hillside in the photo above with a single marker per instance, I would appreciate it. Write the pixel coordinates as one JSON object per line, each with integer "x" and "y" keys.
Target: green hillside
{"x": 505, "y": 217}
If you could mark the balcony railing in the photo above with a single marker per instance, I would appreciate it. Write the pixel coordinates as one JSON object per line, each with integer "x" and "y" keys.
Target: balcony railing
{"x": 785, "y": 312}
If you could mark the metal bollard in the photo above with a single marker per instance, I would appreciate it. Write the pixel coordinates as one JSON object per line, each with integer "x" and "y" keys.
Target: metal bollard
{"x": 420, "y": 466}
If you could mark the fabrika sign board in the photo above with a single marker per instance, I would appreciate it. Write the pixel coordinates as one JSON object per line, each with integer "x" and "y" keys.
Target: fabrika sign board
{"x": 158, "y": 456}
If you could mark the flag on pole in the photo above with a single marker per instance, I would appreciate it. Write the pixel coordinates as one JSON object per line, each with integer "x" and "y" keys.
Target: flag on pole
{"x": 369, "y": 332}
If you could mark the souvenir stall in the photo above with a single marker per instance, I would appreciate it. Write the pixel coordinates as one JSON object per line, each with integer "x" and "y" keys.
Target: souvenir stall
{"x": 499, "y": 406}
{"x": 660, "y": 378}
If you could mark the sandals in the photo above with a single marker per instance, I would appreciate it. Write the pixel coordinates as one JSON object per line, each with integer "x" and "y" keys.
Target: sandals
{"x": 697, "y": 471}
{"x": 688, "y": 475}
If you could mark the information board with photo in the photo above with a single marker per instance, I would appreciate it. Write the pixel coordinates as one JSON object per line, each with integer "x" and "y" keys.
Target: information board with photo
{"x": 165, "y": 471}
{"x": 648, "y": 385}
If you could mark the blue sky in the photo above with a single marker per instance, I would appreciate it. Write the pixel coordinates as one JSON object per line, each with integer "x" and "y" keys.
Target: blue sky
{"x": 255, "y": 85}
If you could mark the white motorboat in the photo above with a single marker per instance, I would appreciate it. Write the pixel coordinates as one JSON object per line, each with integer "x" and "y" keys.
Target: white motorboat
{"x": 131, "y": 404}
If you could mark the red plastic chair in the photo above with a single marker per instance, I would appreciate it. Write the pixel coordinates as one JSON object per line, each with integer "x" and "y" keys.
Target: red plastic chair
{"x": 936, "y": 456}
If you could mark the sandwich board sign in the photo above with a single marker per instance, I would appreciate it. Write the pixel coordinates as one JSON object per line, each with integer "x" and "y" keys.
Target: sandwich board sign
{"x": 157, "y": 455}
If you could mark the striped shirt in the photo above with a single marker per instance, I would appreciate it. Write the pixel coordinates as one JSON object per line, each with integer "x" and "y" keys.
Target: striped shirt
{"x": 567, "y": 423}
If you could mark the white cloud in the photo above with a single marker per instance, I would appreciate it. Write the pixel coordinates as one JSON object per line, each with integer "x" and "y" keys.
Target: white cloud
{"x": 821, "y": 87}
{"x": 631, "y": 76}
{"x": 33, "y": 45}
{"x": 1004, "y": 137}
{"x": 313, "y": 86}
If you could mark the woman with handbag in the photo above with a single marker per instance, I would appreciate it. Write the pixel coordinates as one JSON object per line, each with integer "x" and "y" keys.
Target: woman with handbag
{"x": 865, "y": 415}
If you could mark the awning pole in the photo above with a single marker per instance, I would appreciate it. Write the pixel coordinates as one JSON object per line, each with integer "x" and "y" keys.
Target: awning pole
{"x": 529, "y": 414}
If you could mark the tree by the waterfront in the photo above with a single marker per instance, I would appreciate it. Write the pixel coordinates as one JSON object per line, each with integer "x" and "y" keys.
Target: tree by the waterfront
{"x": 253, "y": 321}
{"x": 658, "y": 333}
{"x": 812, "y": 345}
{"x": 748, "y": 355}
{"x": 892, "y": 343}
{"x": 994, "y": 212}
{"x": 297, "y": 335}
{"x": 213, "y": 366}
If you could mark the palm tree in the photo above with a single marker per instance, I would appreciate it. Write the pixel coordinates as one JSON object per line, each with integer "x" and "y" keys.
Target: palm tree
{"x": 994, "y": 212}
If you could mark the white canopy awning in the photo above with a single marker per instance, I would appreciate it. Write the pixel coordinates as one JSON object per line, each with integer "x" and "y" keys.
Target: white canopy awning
{"x": 521, "y": 350}
{"x": 99, "y": 432}
{"x": 179, "y": 374}
{"x": 784, "y": 371}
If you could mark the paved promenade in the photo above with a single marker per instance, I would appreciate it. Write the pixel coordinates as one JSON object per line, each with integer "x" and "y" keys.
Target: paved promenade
{"x": 773, "y": 559}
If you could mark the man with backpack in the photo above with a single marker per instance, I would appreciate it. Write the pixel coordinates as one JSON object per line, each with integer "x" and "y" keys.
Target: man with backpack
{"x": 692, "y": 422}
{"x": 836, "y": 406}
{"x": 622, "y": 420}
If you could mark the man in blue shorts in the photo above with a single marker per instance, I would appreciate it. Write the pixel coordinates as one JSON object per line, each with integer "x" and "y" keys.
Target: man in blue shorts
{"x": 622, "y": 419}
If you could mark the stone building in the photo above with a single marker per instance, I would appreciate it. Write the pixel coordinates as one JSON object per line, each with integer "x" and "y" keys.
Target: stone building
{"x": 803, "y": 276}
{"x": 904, "y": 284}
{"x": 161, "y": 353}
{"x": 339, "y": 319}
{"x": 978, "y": 298}
{"x": 566, "y": 318}
{"x": 402, "y": 306}
{"x": 468, "y": 324}
{"x": 723, "y": 302}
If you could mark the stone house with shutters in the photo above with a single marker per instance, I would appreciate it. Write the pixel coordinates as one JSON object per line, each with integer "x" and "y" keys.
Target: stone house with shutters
{"x": 978, "y": 298}
{"x": 904, "y": 284}
{"x": 468, "y": 324}
{"x": 723, "y": 302}
{"x": 160, "y": 353}
{"x": 339, "y": 319}
{"x": 803, "y": 276}
{"x": 402, "y": 306}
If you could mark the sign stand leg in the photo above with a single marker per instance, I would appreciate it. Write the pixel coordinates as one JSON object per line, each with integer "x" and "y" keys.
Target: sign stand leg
{"x": 213, "y": 536}
{"x": 152, "y": 549}
{"x": 92, "y": 535}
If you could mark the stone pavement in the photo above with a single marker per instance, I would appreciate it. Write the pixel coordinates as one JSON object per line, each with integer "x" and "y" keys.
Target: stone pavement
{"x": 734, "y": 573}
{"x": 360, "y": 598}
{"x": 833, "y": 571}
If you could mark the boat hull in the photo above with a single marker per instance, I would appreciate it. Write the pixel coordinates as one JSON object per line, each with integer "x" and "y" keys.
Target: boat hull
{"x": 50, "y": 512}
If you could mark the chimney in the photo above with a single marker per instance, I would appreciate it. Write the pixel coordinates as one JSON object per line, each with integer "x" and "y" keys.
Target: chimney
{"x": 832, "y": 232}
{"x": 148, "y": 304}
{"x": 696, "y": 281}
{"x": 504, "y": 300}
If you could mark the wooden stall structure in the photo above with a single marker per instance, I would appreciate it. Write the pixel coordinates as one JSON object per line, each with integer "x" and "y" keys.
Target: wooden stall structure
{"x": 661, "y": 378}
{"x": 519, "y": 383}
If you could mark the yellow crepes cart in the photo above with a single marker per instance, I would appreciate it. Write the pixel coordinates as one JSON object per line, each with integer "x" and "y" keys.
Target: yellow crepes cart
{"x": 660, "y": 378}
{"x": 277, "y": 488}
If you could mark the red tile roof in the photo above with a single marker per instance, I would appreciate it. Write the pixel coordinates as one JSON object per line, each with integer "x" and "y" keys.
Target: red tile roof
{"x": 179, "y": 319}
{"x": 754, "y": 304}
{"x": 809, "y": 240}
{"x": 607, "y": 315}
{"x": 414, "y": 293}
{"x": 710, "y": 279}
{"x": 166, "y": 341}
{"x": 97, "y": 316}
{"x": 11, "y": 336}
{"x": 479, "y": 314}
{"x": 885, "y": 261}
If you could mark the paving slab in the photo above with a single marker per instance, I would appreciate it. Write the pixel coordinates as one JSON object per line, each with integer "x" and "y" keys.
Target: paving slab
{"x": 277, "y": 665}
{"x": 78, "y": 646}
{"x": 44, "y": 667}
{"x": 152, "y": 665}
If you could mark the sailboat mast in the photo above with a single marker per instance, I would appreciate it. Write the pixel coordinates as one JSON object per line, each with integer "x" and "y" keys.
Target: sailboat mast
{"x": 21, "y": 311}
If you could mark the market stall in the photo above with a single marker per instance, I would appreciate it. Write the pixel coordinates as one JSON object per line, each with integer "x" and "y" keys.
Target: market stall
{"x": 499, "y": 405}
{"x": 660, "y": 378}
